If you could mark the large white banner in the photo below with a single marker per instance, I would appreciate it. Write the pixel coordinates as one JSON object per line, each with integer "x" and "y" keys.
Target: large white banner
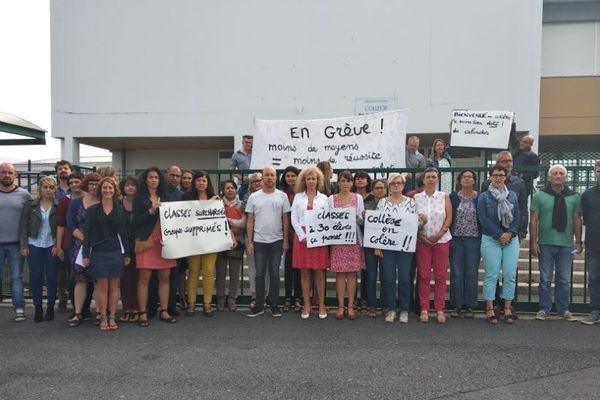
{"x": 367, "y": 141}
{"x": 391, "y": 231}
{"x": 193, "y": 227}
{"x": 481, "y": 129}
{"x": 330, "y": 226}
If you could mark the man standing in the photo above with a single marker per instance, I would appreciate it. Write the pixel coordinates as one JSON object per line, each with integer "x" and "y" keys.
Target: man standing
{"x": 241, "y": 160}
{"x": 555, "y": 217}
{"x": 267, "y": 228}
{"x": 414, "y": 159}
{"x": 527, "y": 158}
{"x": 590, "y": 207}
{"x": 63, "y": 170}
{"x": 12, "y": 201}
{"x": 174, "y": 180}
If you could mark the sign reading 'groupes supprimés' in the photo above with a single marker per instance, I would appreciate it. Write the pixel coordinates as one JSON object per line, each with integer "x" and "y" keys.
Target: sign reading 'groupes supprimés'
{"x": 480, "y": 129}
{"x": 367, "y": 141}
{"x": 194, "y": 227}
{"x": 331, "y": 226}
{"x": 391, "y": 230}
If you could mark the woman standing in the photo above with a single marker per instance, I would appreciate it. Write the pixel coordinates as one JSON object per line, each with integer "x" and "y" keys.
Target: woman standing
{"x": 148, "y": 243}
{"x": 186, "y": 185}
{"x": 291, "y": 275}
{"x": 373, "y": 262}
{"x": 38, "y": 244}
{"x": 237, "y": 222}
{"x": 309, "y": 197}
{"x": 498, "y": 212}
{"x": 433, "y": 244}
{"x": 347, "y": 259}
{"x": 328, "y": 187}
{"x": 466, "y": 241}
{"x": 129, "y": 280}
{"x": 256, "y": 183}
{"x": 75, "y": 223}
{"x": 361, "y": 184}
{"x": 396, "y": 264}
{"x": 440, "y": 158}
{"x": 186, "y": 180}
{"x": 105, "y": 249}
{"x": 202, "y": 189}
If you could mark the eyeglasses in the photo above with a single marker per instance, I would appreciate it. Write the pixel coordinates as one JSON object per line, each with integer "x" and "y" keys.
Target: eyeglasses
{"x": 498, "y": 175}
{"x": 396, "y": 183}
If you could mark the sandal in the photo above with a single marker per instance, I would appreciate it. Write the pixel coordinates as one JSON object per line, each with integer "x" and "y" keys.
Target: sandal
{"x": 97, "y": 319}
{"x": 125, "y": 316}
{"x": 508, "y": 316}
{"x": 351, "y": 313}
{"x": 231, "y": 305}
{"x": 372, "y": 312}
{"x": 340, "y": 313}
{"x": 424, "y": 317}
{"x": 207, "y": 310}
{"x": 103, "y": 323}
{"x": 183, "y": 304}
{"x": 364, "y": 307}
{"x": 133, "y": 316}
{"x": 491, "y": 316}
{"x": 297, "y": 305}
{"x": 440, "y": 317}
{"x": 170, "y": 319}
{"x": 112, "y": 325}
{"x": 143, "y": 322}
{"x": 287, "y": 305}
{"x": 75, "y": 320}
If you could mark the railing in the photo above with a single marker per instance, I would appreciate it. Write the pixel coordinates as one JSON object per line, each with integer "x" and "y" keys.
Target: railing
{"x": 579, "y": 178}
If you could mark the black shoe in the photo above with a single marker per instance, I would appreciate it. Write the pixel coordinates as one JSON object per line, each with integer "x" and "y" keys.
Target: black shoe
{"x": 39, "y": 314}
{"x": 49, "y": 313}
{"x": 86, "y": 315}
{"x": 173, "y": 311}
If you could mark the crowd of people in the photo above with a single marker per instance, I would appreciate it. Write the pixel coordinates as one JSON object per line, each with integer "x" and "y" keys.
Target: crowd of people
{"x": 93, "y": 237}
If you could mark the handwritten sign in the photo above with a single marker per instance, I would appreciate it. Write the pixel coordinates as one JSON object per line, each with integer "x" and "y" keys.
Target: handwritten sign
{"x": 331, "y": 226}
{"x": 481, "y": 129}
{"x": 368, "y": 141}
{"x": 193, "y": 227}
{"x": 391, "y": 231}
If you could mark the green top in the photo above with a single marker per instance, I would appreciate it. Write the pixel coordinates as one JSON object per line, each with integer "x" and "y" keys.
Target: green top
{"x": 543, "y": 203}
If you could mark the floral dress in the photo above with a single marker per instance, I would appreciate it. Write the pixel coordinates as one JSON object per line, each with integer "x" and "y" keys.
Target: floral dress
{"x": 346, "y": 257}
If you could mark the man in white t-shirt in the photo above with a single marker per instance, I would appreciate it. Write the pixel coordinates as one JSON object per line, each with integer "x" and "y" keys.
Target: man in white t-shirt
{"x": 267, "y": 228}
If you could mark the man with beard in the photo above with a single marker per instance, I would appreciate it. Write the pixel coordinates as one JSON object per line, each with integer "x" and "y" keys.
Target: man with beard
{"x": 63, "y": 170}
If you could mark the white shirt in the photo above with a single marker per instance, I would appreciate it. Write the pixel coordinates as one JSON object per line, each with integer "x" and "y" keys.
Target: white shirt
{"x": 268, "y": 210}
{"x": 299, "y": 211}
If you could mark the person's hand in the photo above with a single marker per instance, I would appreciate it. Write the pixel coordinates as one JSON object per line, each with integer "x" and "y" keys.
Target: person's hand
{"x": 250, "y": 248}
{"x": 534, "y": 248}
{"x": 304, "y": 241}
{"x": 379, "y": 253}
{"x": 155, "y": 204}
{"x": 86, "y": 262}
{"x": 286, "y": 246}
{"x": 233, "y": 243}
{"x": 423, "y": 218}
{"x": 25, "y": 252}
{"x": 433, "y": 238}
{"x": 127, "y": 260}
{"x": 58, "y": 252}
{"x": 578, "y": 248}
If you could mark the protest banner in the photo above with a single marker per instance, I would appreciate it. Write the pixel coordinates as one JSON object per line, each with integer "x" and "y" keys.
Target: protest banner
{"x": 481, "y": 129}
{"x": 330, "y": 226}
{"x": 367, "y": 141}
{"x": 193, "y": 227}
{"x": 391, "y": 231}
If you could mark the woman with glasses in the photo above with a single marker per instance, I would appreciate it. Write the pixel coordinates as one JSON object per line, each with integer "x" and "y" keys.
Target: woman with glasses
{"x": 498, "y": 212}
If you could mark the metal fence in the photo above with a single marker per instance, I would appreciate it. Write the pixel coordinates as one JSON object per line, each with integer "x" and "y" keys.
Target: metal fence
{"x": 578, "y": 178}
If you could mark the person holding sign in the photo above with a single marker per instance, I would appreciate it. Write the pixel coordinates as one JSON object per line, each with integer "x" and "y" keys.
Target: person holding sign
{"x": 202, "y": 189}
{"x": 106, "y": 250}
{"x": 433, "y": 245}
{"x": 148, "y": 243}
{"x": 347, "y": 259}
{"x": 498, "y": 212}
{"x": 267, "y": 230}
{"x": 396, "y": 263}
{"x": 307, "y": 259}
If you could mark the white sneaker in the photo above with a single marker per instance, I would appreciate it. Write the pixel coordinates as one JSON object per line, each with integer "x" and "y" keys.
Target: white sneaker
{"x": 390, "y": 316}
{"x": 569, "y": 317}
{"x": 403, "y": 317}
{"x": 593, "y": 318}
{"x": 541, "y": 315}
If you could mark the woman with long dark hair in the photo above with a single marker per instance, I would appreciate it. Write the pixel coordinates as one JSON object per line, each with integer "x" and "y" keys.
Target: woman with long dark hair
{"x": 129, "y": 187}
{"x": 291, "y": 275}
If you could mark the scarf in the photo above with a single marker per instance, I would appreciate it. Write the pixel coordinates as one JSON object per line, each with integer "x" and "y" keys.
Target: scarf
{"x": 559, "y": 210}
{"x": 505, "y": 214}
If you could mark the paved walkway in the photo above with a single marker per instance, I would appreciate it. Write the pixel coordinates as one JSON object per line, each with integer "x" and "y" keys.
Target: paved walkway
{"x": 232, "y": 357}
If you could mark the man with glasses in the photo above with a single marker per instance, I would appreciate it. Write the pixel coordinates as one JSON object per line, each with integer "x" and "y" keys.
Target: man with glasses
{"x": 12, "y": 201}
{"x": 555, "y": 218}
{"x": 590, "y": 207}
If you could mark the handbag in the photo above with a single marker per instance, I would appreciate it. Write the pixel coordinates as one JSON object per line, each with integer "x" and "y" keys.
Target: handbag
{"x": 141, "y": 245}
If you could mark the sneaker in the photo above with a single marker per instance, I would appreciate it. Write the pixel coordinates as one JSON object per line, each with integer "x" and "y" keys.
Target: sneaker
{"x": 541, "y": 315}
{"x": 255, "y": 313}
{"x": 592, "y": 318}
{"x": 276, "y": 313}
{"x": 20, "y": 315}
{"x": 390, "y": 316}
{"x": 569, "y": 317}
{"x": 455, "y": 313}
{"x": 468, "y": 313}
{"x": 403, "y": 317}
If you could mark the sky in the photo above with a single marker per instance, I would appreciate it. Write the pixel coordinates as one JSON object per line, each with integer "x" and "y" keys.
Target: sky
{"x": 25, "y": 76}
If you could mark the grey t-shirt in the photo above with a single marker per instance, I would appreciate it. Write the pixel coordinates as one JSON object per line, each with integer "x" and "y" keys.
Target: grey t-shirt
{"x": 415, "y": 160}
{"x": 240, "y": 160}
{"x": 268, "y": 209}
{"x": 11, "y": 207}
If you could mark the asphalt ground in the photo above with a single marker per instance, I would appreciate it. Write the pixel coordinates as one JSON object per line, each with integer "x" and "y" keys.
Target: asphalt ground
{"x": 230, "y": 356}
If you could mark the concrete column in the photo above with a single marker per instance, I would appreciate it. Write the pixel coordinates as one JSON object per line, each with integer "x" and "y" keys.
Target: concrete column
{"x": 69, "y": 149}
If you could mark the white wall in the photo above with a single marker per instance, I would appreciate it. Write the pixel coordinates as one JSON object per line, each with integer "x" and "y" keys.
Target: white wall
{"x": 571, "y": 49}
{"x": 157, "y": 68}
{"x": 186, "y": 159}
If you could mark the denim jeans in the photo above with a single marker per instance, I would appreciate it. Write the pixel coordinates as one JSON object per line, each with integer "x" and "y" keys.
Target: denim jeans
{"x": 41, "y": 260}
{"x": 395, "y": 264}
{"x": 495, "y": 256}
{"x": 559, "y": 259}
{"x": 592, "y": 262}
{"x": 267, "y": 257}
{"x": 11, "y": 252}
{"x": 373, "y": 263}
{"x": 464, "y": 271}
